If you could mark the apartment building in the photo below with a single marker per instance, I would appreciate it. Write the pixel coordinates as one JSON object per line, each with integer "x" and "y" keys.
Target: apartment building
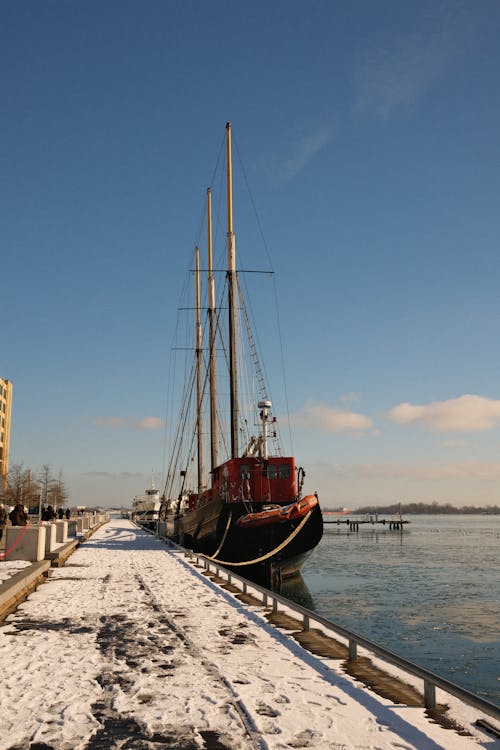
{"x": 5, "y": 413}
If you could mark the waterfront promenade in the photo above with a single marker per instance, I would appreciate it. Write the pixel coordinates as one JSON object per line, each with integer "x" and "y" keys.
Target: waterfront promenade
{"x": 130, "y": 645}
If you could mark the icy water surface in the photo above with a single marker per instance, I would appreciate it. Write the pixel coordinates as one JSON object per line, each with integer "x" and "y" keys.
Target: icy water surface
{"x": 430, "y": 593}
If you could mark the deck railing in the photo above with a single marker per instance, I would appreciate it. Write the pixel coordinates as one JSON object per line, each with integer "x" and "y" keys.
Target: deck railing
{"x": 431, "y": 681}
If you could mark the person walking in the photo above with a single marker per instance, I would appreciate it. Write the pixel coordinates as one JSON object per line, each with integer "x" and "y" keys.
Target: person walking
{"x": 3, "y": 519}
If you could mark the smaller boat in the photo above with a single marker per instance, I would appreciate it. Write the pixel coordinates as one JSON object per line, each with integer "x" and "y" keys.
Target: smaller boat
{"x": 279, "y": 513}
{"x": 146, "y": 508}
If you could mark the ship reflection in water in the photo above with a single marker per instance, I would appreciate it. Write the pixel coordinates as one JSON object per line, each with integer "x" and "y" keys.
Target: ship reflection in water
{"x": 295, "y": 589}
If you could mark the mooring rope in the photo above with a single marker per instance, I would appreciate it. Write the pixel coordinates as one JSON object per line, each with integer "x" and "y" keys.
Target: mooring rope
{"x": 224, "y": 536}
{"x": 268, "y": 554}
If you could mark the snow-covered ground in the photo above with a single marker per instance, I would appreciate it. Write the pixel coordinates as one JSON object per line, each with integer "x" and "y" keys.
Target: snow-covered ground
{"x": 130, "y": 646}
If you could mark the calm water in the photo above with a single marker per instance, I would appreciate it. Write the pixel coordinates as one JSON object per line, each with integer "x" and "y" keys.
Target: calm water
{"x": 430, "y": 593}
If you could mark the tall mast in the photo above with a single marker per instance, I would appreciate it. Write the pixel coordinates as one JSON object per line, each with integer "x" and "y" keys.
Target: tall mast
{"x": 232, "y": 297}
{"x": 212, "y": 329}
{"x": 199, "y": 381}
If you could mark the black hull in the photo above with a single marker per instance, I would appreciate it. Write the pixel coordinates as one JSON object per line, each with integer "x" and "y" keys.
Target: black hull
{"x": 265, "y": 554}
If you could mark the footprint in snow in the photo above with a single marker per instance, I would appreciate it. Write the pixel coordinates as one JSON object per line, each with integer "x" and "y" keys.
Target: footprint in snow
{"x": 264, "y": 710}
{"x": 306, "y": 738}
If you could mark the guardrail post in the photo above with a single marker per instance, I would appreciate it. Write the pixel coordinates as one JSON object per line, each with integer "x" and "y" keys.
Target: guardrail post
{"x": 353, "y": 650}
{"x": 429, "y": 694}
{"x": 244, "y": 587}
{"x": 229, "y": 578}
{"x": 306, "y": 622}
{"x": 217, "y": 571}
{"x": 275, "y": 605}
{"x": 264, "y": 600}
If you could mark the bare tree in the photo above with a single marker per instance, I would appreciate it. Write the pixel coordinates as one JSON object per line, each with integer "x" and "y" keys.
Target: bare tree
{"x": 58, "y": 491}
{"x": 22, "y": 487}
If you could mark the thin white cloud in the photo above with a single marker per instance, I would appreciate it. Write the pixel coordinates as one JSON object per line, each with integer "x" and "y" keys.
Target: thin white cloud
{"x": 126, "y": 423}
{"x": 399, "y": 70}
{"x": 150, "y": 423}
{"x": 304, "y": 152}
{"x": 323, "y": 418}
{"x": 468, "y": 413}
{"x": 297, "y": 154}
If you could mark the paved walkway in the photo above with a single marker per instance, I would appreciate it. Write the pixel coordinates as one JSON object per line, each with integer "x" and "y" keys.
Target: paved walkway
{"x": 129, "y": 646}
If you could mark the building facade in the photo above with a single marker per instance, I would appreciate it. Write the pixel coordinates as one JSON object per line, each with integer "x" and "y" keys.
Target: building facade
{"x": 5, "y": 414}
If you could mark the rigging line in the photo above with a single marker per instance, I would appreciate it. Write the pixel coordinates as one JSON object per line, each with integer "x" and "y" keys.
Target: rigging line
{"x": 266, "y": 248}
{"x": 191, "y": 388}
{"x": 176, "y": 442}
{"x": 220, "y": 430}
{"x": 177, "y": 446}
{"x": 181, "y": 423}
{"x": 260, "y": 369}
{"x": 222, "y": 152}
{"x": 282, "y": 357}
{"x": 214, "y": 173}
{"x": 220, "y": 234}
{"x": 257, "y": 219}
{"x": 201, "y": 223}
{"x": 225, "y": 356}
{"x": 168, "y": 434}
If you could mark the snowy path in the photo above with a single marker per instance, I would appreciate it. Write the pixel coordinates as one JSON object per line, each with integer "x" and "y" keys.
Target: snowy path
{"x": 128, "y": 646}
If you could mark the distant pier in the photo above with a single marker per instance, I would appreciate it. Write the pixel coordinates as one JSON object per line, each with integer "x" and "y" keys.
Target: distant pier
{"x": 354, "y": 522}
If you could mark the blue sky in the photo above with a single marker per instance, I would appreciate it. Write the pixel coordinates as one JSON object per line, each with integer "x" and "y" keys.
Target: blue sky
{"x": 370, "y": 136}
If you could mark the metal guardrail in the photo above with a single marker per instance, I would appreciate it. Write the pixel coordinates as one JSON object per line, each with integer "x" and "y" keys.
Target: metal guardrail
{"x": 431, "y": 681}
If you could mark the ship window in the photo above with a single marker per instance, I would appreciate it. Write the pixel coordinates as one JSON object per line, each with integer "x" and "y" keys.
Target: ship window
{"x": 272, "y": 471}
{"x": 284, "y": 471}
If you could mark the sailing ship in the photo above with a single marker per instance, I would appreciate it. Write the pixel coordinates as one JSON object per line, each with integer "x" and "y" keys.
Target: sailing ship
{"x": 251, "y": 514}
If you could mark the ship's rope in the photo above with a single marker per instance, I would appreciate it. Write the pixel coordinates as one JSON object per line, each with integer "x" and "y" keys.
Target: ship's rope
{"x": 268, "y": 554}
{"x": 224, "y": 536}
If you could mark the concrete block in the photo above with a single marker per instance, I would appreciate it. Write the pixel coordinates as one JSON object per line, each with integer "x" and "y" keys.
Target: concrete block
{"x": 79, "y": 525}
{"x": 50, "y": 537}
{"x": 72, "y": 526}
{"x": 61, "y": 532}
{"x": 27, "y": 542}
{"x": 86, "y": 522}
